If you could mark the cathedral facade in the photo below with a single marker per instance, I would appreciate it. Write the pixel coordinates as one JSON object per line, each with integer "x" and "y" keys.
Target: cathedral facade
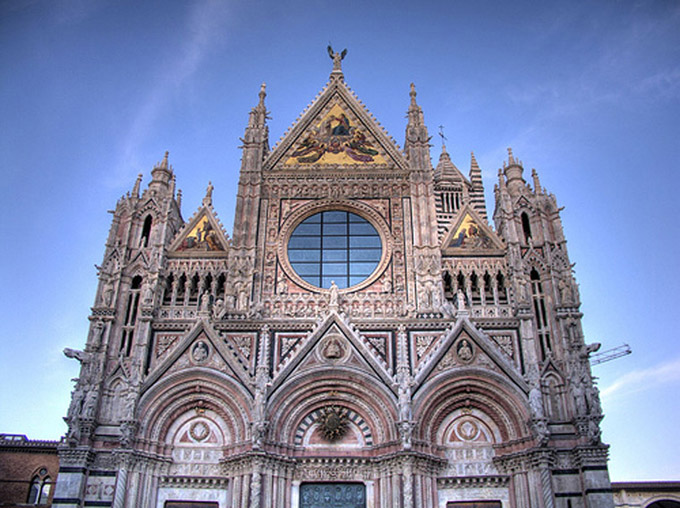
{"x": 364, "y": 338}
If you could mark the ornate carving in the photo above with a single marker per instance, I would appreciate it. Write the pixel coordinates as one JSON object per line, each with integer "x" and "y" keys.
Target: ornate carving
{"x": 333, "y": 422}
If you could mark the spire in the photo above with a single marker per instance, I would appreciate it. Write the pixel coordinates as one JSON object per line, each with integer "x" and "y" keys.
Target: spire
{"x": 164, "y": 164}
{"x": 161, "y": 174}
{"x": 337, "y": 58}
{"x": 135, "y": 189}
{"x": 256, "y": 138}
{"x": 477, "y": 192}
{"x": 513, "y": 172}
{"x": 537, "y": 182}
{"x": 417, "y": 143}
{"x": 446, "y": 169}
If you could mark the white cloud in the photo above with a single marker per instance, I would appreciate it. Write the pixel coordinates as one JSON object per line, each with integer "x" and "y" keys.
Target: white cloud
{"x": 643, "y": 379}
{"x": 205, "y": 27}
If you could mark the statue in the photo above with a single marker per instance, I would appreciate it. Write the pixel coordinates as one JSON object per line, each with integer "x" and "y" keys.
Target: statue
{"x": 107, "y": 294}
{"x": 460, "y": 299}
{"x": 207, "y": 200}
{"x": 337, "y": 58}
{"x": 536, "y": 402}
{"x": 333, "y": 296}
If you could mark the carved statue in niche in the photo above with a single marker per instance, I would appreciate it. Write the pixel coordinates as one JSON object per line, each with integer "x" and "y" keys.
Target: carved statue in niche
{"x": 107, "y": 294}
{"x": 536, "y": 402}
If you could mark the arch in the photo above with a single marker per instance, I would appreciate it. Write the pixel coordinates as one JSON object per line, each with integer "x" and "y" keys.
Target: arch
{"x": 664, "y": 501}
{"x": 40, "y": 487}
{"x": 310, "y": 391}
{"x": 473, "y": 389}
{"x": 526, "y": 227}
{"x": 197, "y": 389}
{"x": 552, "y": 386}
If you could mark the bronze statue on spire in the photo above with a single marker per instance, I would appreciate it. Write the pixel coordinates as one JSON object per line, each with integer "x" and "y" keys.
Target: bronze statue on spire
{"x": 337, "y": 58}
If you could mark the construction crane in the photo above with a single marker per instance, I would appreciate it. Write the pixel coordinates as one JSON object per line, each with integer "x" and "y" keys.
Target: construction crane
{"x": 610, "y": 354}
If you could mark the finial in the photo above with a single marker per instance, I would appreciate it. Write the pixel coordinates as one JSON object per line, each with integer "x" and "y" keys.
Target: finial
{"x": 207, "y": 200}
{"x": 164, "y": 164}
{"x": 135, "y": 189}
{"x": 413, "y": 94}
{"x": 263, "y": 92}
{"x": 537, "y": 182}
{"x": 337, "y": 59}
{"x": 511, "y": 158}
{"x": 179, "y": 198}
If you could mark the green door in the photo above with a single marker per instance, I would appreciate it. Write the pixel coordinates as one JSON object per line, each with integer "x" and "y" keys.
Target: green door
{"x": 332, "y": 495}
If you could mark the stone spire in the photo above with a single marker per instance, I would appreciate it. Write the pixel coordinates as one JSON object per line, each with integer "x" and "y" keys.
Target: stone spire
{"x": 477, "y": 199}
{"x": 513, "y": 172}
{"x": 135, "y": 189}
{"x": 446, "y": 169}
{"x": 417, "y": 143}
{"x": 256, "y": 138}
{"x": 161, "y": 175}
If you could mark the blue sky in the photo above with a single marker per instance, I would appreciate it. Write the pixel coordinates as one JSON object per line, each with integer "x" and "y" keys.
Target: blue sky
{"x": 588, "y": 93}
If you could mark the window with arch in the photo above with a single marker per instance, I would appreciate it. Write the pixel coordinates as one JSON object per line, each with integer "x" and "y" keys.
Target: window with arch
{"x": 39, "y": 491}
{"x": 146, "y": 232}
{"x": 526, "y": 227}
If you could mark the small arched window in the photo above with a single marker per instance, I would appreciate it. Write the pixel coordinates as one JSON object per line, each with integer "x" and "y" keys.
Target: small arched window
{"x": 39, "y": 491}
{"x": 146, "y": 232}
{"x": 526, "y": 227}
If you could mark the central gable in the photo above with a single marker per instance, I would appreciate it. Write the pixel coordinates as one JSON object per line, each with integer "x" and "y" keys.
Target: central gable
{"x": 336, "y": 130}
{"x": 339, "y": 138}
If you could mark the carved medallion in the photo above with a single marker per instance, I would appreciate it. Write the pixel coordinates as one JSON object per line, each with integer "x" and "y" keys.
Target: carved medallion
{"x": 199, "y": 431}
{"x": 200, "y": 352}
{"x": 464, "y": 350}
{"x": 333, "y": 422}
{"x": 333, "y": 348}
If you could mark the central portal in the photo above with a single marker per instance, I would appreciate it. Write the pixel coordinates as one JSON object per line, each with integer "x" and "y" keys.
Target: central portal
{"x": 332, "y": 495}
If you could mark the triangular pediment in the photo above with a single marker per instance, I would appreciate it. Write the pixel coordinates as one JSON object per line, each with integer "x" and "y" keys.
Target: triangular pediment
{"x": 469, "y": 235}
{"x": 336, "y": 130}
{"x": 202, "y": 236}
{"x": 331, "y": 343}
{"x": 465, "y": 347}
{"x": 200, "y": 348}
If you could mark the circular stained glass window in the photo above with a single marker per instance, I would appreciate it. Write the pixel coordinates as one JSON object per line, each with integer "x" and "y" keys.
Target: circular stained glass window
{"x": 334, "y": 246}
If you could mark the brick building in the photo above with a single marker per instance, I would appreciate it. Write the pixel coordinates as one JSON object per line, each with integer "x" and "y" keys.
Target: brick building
{"x": 28, "y": 471}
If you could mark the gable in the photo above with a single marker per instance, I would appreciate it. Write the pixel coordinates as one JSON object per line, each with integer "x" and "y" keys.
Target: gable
{"x": 199, "y": 348}
{"x": 465, "y": 347}
{"x": 331, "y": 343}
{"x": 469, "y": 235}
{"x": 336, "y": 138}
{"x": 336, "y": 130}
{"x": 202, "y": 235}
